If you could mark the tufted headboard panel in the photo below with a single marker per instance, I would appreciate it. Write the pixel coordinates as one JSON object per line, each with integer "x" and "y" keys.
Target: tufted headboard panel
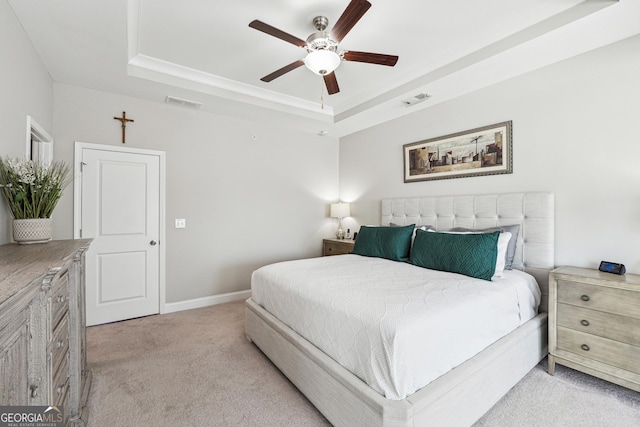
{"x": 533, "y": 211}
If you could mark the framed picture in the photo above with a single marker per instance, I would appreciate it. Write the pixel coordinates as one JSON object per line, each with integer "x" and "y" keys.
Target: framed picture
{"x": 482, "y": 151}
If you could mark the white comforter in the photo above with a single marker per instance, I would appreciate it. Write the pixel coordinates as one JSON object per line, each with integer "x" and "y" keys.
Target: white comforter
{"x": 394, "y": 325}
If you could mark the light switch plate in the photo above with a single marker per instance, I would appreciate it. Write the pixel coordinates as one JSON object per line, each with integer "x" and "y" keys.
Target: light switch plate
{"x": 181, "y": 223}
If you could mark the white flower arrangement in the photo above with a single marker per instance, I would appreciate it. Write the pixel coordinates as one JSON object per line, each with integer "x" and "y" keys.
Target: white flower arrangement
{"x": 30, "y": 189}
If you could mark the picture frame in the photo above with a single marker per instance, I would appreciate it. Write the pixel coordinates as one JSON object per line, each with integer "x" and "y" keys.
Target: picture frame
{"x": 487, "y": 150}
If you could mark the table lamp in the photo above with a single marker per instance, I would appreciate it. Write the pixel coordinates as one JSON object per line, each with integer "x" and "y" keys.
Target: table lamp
{"x": 340, "y": 210}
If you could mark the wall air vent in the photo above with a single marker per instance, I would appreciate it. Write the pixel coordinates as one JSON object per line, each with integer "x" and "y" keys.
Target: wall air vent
{"x": 416, "y": 99}
{"x": 182, "y": 102}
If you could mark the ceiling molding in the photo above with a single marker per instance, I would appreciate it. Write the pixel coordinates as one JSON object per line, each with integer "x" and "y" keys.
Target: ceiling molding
{"x": 155, "y": 69}
{"x": 144, "y": 66}
{"x": 195, "y": 50}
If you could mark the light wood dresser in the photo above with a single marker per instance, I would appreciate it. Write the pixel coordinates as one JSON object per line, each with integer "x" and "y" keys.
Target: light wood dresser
{"x": 337, "y": 246}
{"x": 594, "y": 324}
{"x": 42, "y": 327}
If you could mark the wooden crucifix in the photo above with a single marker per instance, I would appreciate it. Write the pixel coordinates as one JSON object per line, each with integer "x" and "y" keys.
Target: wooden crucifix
{"x": 124, "y": 121}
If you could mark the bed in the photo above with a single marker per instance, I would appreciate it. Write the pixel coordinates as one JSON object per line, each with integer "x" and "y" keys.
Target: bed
{"x": 460, "y": 395}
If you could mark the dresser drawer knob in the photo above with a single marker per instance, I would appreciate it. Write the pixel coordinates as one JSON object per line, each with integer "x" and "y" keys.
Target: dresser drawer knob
{"x": 585, "y": 347}
{"x": 585, "y": 298}
{"x": 584, "y": 322}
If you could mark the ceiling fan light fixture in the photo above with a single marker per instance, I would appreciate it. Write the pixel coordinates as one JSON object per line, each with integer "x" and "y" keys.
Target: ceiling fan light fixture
{"x": 322, "y": 62}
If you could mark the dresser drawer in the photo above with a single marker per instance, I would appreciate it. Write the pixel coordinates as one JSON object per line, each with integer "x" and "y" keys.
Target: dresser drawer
{"x": 60, "y": 388}
{"x": 59, "y": 299}
{"x": 60, "y": 343}
{"x": 602, "y": 298}
{"x": 60, "y": 363}
{"x": 607, "y": 325}
{"x": 604, "y": 350}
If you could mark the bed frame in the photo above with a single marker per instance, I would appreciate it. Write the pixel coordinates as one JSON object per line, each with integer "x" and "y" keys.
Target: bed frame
{"x": 461, "y": 396}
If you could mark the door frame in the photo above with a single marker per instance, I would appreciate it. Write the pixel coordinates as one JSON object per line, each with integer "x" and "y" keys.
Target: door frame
{"x": 77, "y": 202}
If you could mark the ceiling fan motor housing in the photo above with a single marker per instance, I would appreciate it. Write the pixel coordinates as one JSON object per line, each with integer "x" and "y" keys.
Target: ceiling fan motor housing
{"x": 321, "y": 41}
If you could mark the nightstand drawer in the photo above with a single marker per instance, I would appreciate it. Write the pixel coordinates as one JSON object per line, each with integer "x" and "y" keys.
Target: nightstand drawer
{"x": 607, "y": 325}
{"x": 604, "y": 350}
{"x": 336, "y": 247}
{"x": 602, "y": 298}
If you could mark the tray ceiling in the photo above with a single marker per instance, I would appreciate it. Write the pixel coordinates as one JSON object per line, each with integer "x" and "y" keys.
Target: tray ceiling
{"x": 205, "y": 51}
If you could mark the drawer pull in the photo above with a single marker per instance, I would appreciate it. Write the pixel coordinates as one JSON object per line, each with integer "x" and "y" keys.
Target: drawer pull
{"x": 585, "y": 347}
{"x": 585, "y": 298}
{"x": 60, "y": 344}
{"x": 34, "y": 391}
{"x": 584, "y": 322}
{"x": 60, "y": 389}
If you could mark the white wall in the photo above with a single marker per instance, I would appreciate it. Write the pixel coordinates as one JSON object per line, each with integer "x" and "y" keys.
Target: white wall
{"x": 25, "y": 89}
{"x": 575, "y": 133}
{"x": 247, "y": 203}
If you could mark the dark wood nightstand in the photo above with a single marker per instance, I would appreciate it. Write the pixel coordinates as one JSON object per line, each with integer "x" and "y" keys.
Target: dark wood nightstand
{"x": 337, "y": 246}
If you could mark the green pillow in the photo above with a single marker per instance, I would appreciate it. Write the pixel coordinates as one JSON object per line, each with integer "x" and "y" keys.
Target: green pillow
{"x": 392, "y": 243}
{"x": 473, "y": 255}
{"x": 511, "y": 247}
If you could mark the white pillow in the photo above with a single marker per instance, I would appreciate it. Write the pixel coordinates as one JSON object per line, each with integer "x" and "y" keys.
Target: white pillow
{"x": 503, "y": 243}
{"x": 501, "y": 260}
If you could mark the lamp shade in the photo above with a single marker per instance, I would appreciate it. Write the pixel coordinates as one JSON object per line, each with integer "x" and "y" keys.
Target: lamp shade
{"x": 322, "y": 62}
{"x": 340, "y": 210}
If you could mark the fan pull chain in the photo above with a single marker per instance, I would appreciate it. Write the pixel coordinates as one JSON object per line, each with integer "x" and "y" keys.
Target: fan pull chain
{"x": 322, "y": 95}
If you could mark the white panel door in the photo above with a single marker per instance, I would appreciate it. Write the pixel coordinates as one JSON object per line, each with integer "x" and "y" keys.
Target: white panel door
{"x": 120, "y": 210}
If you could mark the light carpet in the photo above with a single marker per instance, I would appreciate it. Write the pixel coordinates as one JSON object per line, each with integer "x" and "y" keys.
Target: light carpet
{"x": 196, "y": 368}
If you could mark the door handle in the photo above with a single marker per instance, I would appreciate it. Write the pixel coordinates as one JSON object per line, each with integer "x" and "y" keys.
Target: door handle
{"x": 153, "y": 243}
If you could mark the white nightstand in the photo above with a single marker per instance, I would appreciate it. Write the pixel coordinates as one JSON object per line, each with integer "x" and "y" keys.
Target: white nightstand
{"x": 594, "y": 324}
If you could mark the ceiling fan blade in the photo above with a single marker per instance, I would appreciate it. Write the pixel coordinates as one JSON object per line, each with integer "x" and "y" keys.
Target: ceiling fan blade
{"x": 370, "y": 58}
{"x": 273, "y": 31}
{"x": 332, "y": 83}
{"x": 349, "y": 18}
{"x": 282, "y": 71}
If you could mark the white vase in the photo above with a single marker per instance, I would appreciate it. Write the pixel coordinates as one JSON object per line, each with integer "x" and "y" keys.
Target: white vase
{"x": 34, "y": 230}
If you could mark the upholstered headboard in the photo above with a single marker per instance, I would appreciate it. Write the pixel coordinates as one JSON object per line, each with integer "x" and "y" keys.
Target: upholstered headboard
{"x": 533, "y": 211}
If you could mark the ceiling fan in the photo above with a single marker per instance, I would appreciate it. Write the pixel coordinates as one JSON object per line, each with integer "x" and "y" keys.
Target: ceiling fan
{"x": 322, "y": 46}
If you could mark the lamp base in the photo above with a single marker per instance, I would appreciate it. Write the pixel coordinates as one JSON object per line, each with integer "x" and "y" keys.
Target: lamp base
{"x": 340, "y": 231}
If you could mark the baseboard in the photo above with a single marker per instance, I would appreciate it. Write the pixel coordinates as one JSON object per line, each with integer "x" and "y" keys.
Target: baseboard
{"x": 172, "y": 307}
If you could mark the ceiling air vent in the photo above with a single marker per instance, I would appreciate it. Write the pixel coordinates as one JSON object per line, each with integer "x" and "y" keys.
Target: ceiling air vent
{"x": 416, "y": 99}
{"x": 182, "y": 102}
